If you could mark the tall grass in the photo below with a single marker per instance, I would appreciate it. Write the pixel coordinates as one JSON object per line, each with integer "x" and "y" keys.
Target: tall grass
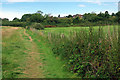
{"x": 89, "y": 52}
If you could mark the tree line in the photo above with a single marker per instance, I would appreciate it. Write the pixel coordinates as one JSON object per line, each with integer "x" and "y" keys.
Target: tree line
{"x": 87, "y": 19}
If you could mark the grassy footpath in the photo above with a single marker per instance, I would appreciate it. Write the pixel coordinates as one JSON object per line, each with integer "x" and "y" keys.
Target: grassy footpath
{"x": 25, "y": 58}
{"x": 53, "y": 66}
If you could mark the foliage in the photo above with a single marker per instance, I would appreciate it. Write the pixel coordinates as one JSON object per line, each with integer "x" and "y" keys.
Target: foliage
{"x": 14, "y": 23}
{"x": 92, "y": 19}
{"x": 16, "y": 19}
{"x": 26, "y": 17}
{"x": 5, "y": 19}
{"x": 118, "y": 16}
{"x": 37, "y": 26}
{"x": 89, "y": 53}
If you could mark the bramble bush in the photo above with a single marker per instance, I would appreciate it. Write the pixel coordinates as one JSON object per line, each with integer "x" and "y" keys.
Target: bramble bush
{"x": 93, "y": 54}
{"x": 37, "y": 26}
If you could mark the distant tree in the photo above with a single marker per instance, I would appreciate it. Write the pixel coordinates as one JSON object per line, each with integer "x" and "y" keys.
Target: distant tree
{"x": 0, "y": 21}
{"x": 113, "y": 14}
{"x": 37, "y": 18}
{"x": 25, "y": 17}
{"x": 113, "y": 19}
{"x": 101, "y": 15}
{"x": 69, "y": 16}
{"x": 76, "y": 20}
{"x": 107, "y": 14}
{"x": 59, "y": 15}
{"x": 118, "y": 16}
{"x": 5, "y": 19}
{"x": 93, "y": 13}
{"x": 91, "y": 17}
{"x": 55, "y": 20}
{"x": 16, "y": 19}
{"x": 40, "y": 12}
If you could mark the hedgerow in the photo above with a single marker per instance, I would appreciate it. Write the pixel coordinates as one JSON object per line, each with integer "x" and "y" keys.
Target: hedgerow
{"x": 13, "y": 23}
{"x": 93, "y": 54}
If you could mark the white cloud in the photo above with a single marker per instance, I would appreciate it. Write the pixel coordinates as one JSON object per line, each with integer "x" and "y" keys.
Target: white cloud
{"x": 95, "y": 2}
{"x": 20, "y": 0}
{"x": 99, "y": 3}
{"x": 81, "y": 5}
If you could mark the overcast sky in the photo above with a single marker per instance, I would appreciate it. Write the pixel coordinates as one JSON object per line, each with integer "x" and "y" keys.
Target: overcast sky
{"x": 16, "y": 8}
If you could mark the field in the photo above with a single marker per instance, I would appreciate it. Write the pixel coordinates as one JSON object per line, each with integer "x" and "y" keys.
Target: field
{"x": 24, "y": 57}
{"x": 66, "y": 52}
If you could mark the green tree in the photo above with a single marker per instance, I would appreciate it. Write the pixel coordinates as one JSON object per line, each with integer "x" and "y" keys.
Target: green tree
{"x": 91, "y": 17}
{"x": 69, "y": 16}
{"x": 118, "y": 16}
{"x": 113, "y": 14}
{"x": 40, "y": 12}
{"x": 107, "y": 15}
{"x": 5, "y": 19}
{"x": 16, "y": 19}
{"x": 37, "y": 18}
{"x": 59, "y": 15}
{"x": 102, "y": 15}
{"x": 25, "y": 17}
{"x": 76, "y": 20}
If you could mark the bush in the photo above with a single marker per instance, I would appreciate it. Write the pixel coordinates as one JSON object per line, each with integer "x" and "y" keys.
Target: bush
{"x": 37, "y": 26}
{"x": 12, "y": 23}
{"x": 89, "y": 53}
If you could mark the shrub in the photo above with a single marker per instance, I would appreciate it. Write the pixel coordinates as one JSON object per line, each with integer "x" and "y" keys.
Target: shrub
{"x": 37, "y": 26}
{"x": 92, "y": 54}
{"x": 12, "y": 23}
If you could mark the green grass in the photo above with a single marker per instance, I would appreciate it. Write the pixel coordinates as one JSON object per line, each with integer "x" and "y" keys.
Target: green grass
{"x": 67, "y": 30}
{"x": 14, "y": 57}
{"x": 15, "y": 43}
{"x": 53, "y": 68}
{"x": 103, "y": 47}
{"x": 13, "y": 54}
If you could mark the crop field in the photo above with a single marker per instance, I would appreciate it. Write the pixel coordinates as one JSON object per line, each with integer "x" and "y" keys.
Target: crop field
{"x": 62, "y": 52}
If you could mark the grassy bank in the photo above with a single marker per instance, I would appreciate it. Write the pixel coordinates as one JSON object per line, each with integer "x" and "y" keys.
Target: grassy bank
{"x": 88, "y": 52}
